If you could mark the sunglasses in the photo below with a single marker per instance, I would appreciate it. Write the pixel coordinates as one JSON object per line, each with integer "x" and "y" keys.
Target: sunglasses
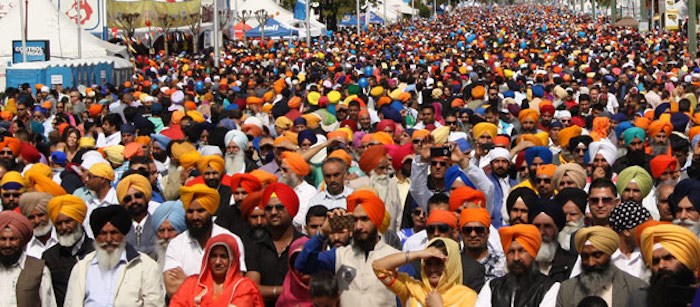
{"x": 8, "y": 195}
{"x": 596, "y": 200}
{"x": 6, "y": 152}
{"x": 453, "y": 123}
{"x": 418, "y": 212}
{"x": 269, "y": 208}
{"x": 544, "y": 180}
{"x": 137, "y": 195}
{"x": 417, "y": 141}
{"x": 436, "y": 163}
{"x": 441, "y": 228}
{"x": 480, "y": 231}
{"x": 522, "y": 168}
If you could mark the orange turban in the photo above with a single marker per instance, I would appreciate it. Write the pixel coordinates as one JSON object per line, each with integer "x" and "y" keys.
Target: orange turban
{"x": 342, "y": 155}
{"x": 442, "y": 216}
{"x": 484, "y": 127}
{"x": 661, "y": 163}
{"x": 692, "y": 132}
{"x": 291, "y": 137}
{"x": 371, "y": 157}
{"x": 336, "y": 134}
{"x": 251, "y": 202}
{"x": 251, "y": 129}
{"x": 464, "y": 194}
{"x": 642, "y": 122}
{"x": 532, "y": 138}
{"x": 658, "y": 126}
{"x": 132, "y": 149}
{"x": 478, "y": 92}
{"x": 14, "y": 144}
{"x": 179, "y": 149}
{"x": 566, "y": 134}
{"x": 420, "y": 134}
{"x": 528, "y": 113}
{"x": 248, "y": 182}
{"x": 214, "y": 161}
{"x": 43, "y": 182}
{"x": 527, "y": 235}
{"x": 382, "y": 101}
{"x": 383, "y": 138}
{"x": 69, "y": 205}
{"x": 190, "y": 159}
{"x": 143, "y": 140}
{"x": 601, "y": 126}
{"x": 373, "y": 205}
{"x": 264, "y": 177}
{"x": 136, "y": 181}
{"x": 469, "y": 215}
{"x": 95, "y": 110}
{"x": 546, "y": 169}
{"x": 285, "y": 194}
{"x": 296, "y": 163}
{"x": 677, "y": 240}
{"x": 294, "y": 102}
{"x": 253, "y": 100}
{"x": 207, "y": 197}
{"x": 501, "y": 140}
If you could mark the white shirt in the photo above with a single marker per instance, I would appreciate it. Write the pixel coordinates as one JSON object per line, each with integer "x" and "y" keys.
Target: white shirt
{"x": 35, "y": 248}
{"x": 9, "y": 276}
{"x": 185, "y": 252}
{"x": 305, "y": 192}
{"x": 109, "y": 200}
{"x": 330, "y": 201}
{"x": 549, "y": 299}
{"x": 416, "y": 242}
{"x": 104, "y": 141}
{"x": 101, "y": 285}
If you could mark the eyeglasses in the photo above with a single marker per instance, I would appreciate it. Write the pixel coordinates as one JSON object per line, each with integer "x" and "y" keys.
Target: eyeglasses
{"x": 452, "y": 123}
{"x": 440, "y": 163}
{"x": 138, "y": 195}
{"x": 441, "y": 228}
{"x": 544, "y": 180}
{"x": 8, "y": 195}
{"x": 6, "y": 152}
{"x": 269, "y": 208}
{"x": 595, "y": 200}
{"x": 522, "y": 168}
{"x": 580, "y": 150}
{"x": 418, "y": 212}
{"x": 417, "y": 141}
{"x": 480, "y": 231}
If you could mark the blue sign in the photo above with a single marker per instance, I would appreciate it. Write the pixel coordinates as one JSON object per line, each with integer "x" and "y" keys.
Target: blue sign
{"x": 37, "y": 51}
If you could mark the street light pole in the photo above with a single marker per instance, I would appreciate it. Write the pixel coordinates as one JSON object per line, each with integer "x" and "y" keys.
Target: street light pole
{"x": 216, "y": 33}
{"x": 308, "y": 24}
{"x": 692, "y": 30}
{"x": 358, "y": 18}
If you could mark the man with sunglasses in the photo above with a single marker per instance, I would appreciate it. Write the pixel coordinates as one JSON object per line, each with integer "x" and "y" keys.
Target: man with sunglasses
{"x": 578, "y": 146}
{"x": 534, "y": 157}
{"x": 543, "y": 179}
{"x": 12, "y": 187}
{"x": 602, "y": 198}
{"x": 134, "y": 193}
{"x": 419, "y": 238}
{"x": 474, "y": 229}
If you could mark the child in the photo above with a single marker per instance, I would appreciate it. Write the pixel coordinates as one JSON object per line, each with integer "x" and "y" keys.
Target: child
{"x": 324, "y": 290}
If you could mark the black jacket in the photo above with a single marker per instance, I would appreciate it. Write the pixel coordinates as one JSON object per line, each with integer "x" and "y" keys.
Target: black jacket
{"x": 530, "y": 290}
{"x": 60, "y": 262}
{"x": 562, "y": 264}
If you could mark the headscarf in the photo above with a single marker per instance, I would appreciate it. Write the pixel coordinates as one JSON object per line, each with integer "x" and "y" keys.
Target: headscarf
{"x": 528, "y": 113}
{"x": 677, "y": 240}
{"x": 136, "y": 181}
{"x": 115, "y": 215}
{"x": 20, "y": 225}
{"x": 442, "y": 216}
{"x": 12, "y": 180}
{"x": 371, "y": 157}
{"x": 538, "y": 151}
{"x": 102, "y": 170}
{"x": 208, "y": 198}
{"x": 237, "y": 137}
{"x": 461, "y": 195}
{"x": 69, "y": 205}
{"x": 687, "y": 187}
{"x": 628, "y": 215}
{"x": 527, "y": 195}
{"x": 602, "y": 238}
{"x": 450, "y": 285}
{"x": 551, "y": 209}
{"x": 41, "y": 181}
{"x": 661, "y": 163}
{"x": 174, "y": 212}
{"x": 567, "y": 133}
{"x": 635, "y": 174}
{"x": 469, "y": 215}
{"x": 285, "y": 194}
{"x": 527, "y": 235}
{"x": 484, "y": 127}
{"x": 295, "y": 292}
{"x": 601, "y": 126}
{"x": 214, "y": 161}
{"x": 573, "y": 170}
{"x": 34, "y": 200}
{"x": 373, "y": 206}
{"x": 605, "y": 148}
{"x": 631, "y": 133}
{"x": 658, "y": 126}
{"x": 246, "y": 181}
{"x": 296, "y": 163}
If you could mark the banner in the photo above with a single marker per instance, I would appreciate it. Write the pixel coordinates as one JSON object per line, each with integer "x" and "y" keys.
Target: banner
{"x": 672, "y": 21}
{"x": 300, "y": 10}
{"x": 90, "y": 13}
{"x": 150, "y": 13}
{"x": 36, "y": 50}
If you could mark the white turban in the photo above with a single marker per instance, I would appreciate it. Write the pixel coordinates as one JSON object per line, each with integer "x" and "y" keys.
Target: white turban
{"x": 605, "y": 148}
{"x": 560, "y": 114}
{"x": 210, "y": 150}
{"x": 496, "y": 153}
{"x": 236, "y": 136}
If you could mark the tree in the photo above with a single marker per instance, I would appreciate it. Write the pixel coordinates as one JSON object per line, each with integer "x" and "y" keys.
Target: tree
{"x": 127, "y": 22}
{"x": 166, "y": 23}
{"x": 194, "y": 23}
{"x": 262, "y": 17}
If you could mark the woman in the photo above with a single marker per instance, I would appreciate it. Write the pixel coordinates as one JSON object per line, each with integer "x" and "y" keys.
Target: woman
{"x": 219, "y": 283}
{"x": 295, "y": 288}
{"x": 69, "y": 142}
{"x": 442, "y": 272}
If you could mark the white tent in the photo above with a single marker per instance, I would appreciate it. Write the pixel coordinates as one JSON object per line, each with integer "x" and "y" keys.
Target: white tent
{"x": 395, "y": 9}
{"x": 281, "y": 14}
{"x": 45, "y": 22}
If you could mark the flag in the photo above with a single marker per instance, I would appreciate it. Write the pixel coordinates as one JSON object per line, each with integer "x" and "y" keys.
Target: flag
{"x": 300, "y": 10}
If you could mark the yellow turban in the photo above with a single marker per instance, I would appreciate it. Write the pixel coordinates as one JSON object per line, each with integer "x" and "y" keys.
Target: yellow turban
{"x": 484, "y": 127}
{"x": 532, "y": 138}
{"x": 179, "y": 149}
{"x": 527, "y": 235}
{"x": 39, "y": 178}
{"x": 440, "y": 135}
{"x": 102, "y": 170}
{"x": 86, "y": 142}
{"x": 602, "y": 238}
{"x": 567, "y": 133}
{"x": 207, "y": 197}
{"x": 376, "y": 91}
{"x": 70, "y": 205}
{"x": 115, "y": 153}
{"x": 136, "y": 181}
{"x": 677, "y": 240}
{"x": 190, "y": 159}
{"x": 528, "y": 113}
{"x": 383, "y": 138}
{"x": 214, "y": 161}
{"x": 12, "y": 180}
{"x": 33, "y": 200}
{"x": 196, "y": 116}
{"x": 264, "y": 177}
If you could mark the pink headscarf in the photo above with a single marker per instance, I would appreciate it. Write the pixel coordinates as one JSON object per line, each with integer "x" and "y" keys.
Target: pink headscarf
{"x": 295, "y": 291}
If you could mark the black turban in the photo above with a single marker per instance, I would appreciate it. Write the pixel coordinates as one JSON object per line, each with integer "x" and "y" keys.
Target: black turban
{"x": 527, "y": 194}
{"x": 687, "y": 187}
{"x": 577, "y": 196}
{"x": 116, "y": 215}
{"x": 548, "y": 207}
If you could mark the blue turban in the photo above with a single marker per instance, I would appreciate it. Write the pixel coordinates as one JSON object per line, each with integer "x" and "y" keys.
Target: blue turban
{"x": 172, "y": 211}
{"x": 537, "y": 151}
{"x": 632, "y": 133}
{"x": 396, "y": 105}
{"x": 452, "y": 174}
{"x": 509, "y": 94}
{"x": 687, "y": 187}
{"x": 621, "y": 127}
{"x": 391, "y": 113}
{"x": 679, "y": 121}
{"x": 660, "y": 109}
{"x": 556, "y": 124}
{"x": 161, "y": 140}
{"x": 307, "y": 135}
{"x": 694, "y": 141}
{"x": 300, "y": 121}
{"x": 538, "y": 91}
{"x": 619, "y": 117}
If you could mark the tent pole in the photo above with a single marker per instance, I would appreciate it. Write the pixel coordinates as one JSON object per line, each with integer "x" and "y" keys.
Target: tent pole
{"x": 22, "y": 17}
{"x": 80, "y": 27}
{"x": 308, "y": 24}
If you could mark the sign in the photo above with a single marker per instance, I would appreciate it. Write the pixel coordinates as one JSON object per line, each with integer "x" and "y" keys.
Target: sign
{"x": 154, "y": 12}
{"x": 56, "y": 79}
{"x": 103, "y": 74}
{"x": 90, "y": 16}
{"x": 37, "y": 51}
{"x": 672, "y": 20}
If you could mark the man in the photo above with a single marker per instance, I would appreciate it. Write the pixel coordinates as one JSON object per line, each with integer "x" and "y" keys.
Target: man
{"x": 67, "y": 213}
{"x": 26, "y": 279}
{"x": 518, "y": 205}
{"x": 168, "y": 223}
{"x": 596, "y": 245}
{"x": 672, "y": 254}
{"x": 375, "y": 164}
{"x": 335, "y": 195}
{"x": 352, "y": 263}
{"x": 664, "y": 167}
{"x": 314, "y": 220}
{"x": 99, "y": 182}
{"x": 12, "y": 186}
{"x": 528, "y": 121}
{"x": 624, "y": 220}
{"x": 184, "y": 254}
{"x": 634, "y": 184}
{"x": 523, "y": 285}
{"x": 418, "y": 240}
{"x": 115, "y": 272}
{"x": 110, "y": 134}
{"x": 684, "y": 203}
{"x": 499, "y": 160}
{"x": 293, "y": 170}
{"x": 427, "y": 117}
{"x": 474, "y": 225}
{"x": 545, "y": 187}
{"x": 602, "y": 156}
{"x": 663, "y": 191}
{"x": 230, "y": 216}
{"x": 534, "y": 157}
{"x": 268, "y": 257}
{"x": 659, "y": 132}
{"x": 573, "y": 202}
{"x": 552, "y": 260}
{"x": 33, "y": 206}
{"x": 634, "y": 142}
{"x": 212, "y": 169}
{"x": 424, "y": 185}
{"x": 134, "y": 193}
{"x": 602, "y": 198}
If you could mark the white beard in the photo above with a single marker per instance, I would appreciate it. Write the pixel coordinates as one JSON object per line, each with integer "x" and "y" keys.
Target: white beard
{"x": 43, "y": 230}
{"x": 687, "y": 223}
{"x": 564, "y": 236}
{"x": 234, "y": 163}
{"x": 290, "y": 179}
{"x": 161, "y": 248}
{"x": 68, "y": 240}
{"x": 546, "y": 253}
{"x": 380, "y": 183}
{"x": 108, "y": 260}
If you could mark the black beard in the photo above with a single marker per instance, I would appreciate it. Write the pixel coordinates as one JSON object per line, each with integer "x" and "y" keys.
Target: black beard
{"x": 137, "y": 210}
{"x": 366, "y": 245}
{"x": 258, "y": 233}
{"x": 664, "y": 286}
{"x": 9, "y": 261}
{"x": 213, "y": 183}
{"x": 199, "y": 232}
{"x": 636, "y": 157}
{"x": 160, "y": 156}
{"x": 501, "y": 174}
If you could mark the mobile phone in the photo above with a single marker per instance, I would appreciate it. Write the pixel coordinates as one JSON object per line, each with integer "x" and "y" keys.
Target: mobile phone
{"x": 487, "y": 146}
{"x": 443, "y": 151}
{"x": 338, "y": 223}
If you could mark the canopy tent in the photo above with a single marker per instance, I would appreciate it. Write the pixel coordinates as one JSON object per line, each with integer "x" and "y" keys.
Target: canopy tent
{"x": 280, "y": 14}
{"x": 351, "y": 20}
{"x": 273, "y": 28}
{"x": 395, "y": 9}
{"x": 239, "y": 28}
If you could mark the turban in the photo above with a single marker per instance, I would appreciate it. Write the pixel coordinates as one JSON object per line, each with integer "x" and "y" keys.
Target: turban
{"x": 442, "y": 216}
{"x": 502, "y": 140}
{"x": 605, "y": 148}
{"x": 602, "y": 238}
{"x": 20, "y": 225}
{"x": 628, "y": 215}
{"x": 578, "y": 196}
{"x": 102, "y": 170}
{"x": 136, "y": 181}
{"x": 68, "y": 205}
{"x": 307, "y": 135}
{"x": 115, "y": 215}
{"x": 190, "y": 159}
{"x": 551, "y": 209}
{"x": 179, "y": 149}
{"x": 528, "y": 113}
{"x": 342, "y": 135}
{"x": 248, "y": 182}
{"x": 527, "y": 235}
{"x": 478, "y": 92}
{"x": 115, "y": 153}
{"x": 567, "y": 133}
{"x": 461, "y": 195}
{"x": 237, "y": 137}
{"x": 642, "y": 122}
{"x": 86, "y": 142}
{"x": 291, "y": 137}
{"x": 251, "y": 129}
{"x": 376, "y": 91}
{"x": 469, "y": 215}
{"x": 631, "y": 133}
{"x": 527, "y": 195}
{"x": 420, "y": 134}
{"x": 12, "y": 180}
{"x": 264, "y": 177}
{"x": 296, "y": 163}
{"x": 143, "y": 140}
{"x": 312, "y": 120}
{"x": 581, "y": 139}
{"x": 250, "y": 202}
{"x": 132, "y": 149}
{"x": 214, "y": 161}
{"x": 174, "y": 212}
{"x": 547, "y": 109}
{"x": 371, "y": 157}
{"x": 601, "y": 125}
{"x": 253, "y": 100}
{"x": 621, "y": 128}
{"x": 39, "y": 177}
{"x": 572, "y": 170}
{"x": 29, "y": 153}
{"x": 283, "y": 122}
{"x": 34, "y": 200}
{"x": 661, "y": 163}
{"x": 285, "y": 194}
{"x": 692, "y": 132}
{"x": 342, "y": 155}
{"x": 454, "y": 172}
{"x": 657, "y": 126}
{"x": 12, "y": 143}
{"x": 386, "y": 123}
{"x": 440, "y": 135}
{"x": 637, "y": 174}
{"x": 398, "y": 154}
{"x": 687, "y": 187}
{"x": 484, "y": 127}
{"x": 207, "y": 197}
{"x": 373, "y": 206}
{"x": 677, "y": 240}
{"x": 546, "y": 169}
{"x": 95, "y": 109}
{"x": 538, "y": 151}
{"x": 385, "y": 138}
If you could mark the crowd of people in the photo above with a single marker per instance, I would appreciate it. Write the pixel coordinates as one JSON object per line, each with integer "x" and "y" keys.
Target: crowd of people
{"x": 519, "y": 155}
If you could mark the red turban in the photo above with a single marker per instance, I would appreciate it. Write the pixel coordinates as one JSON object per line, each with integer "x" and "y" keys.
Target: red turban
{"x": 398, "y": 153}
{"x": 371, "y": 157}
{"x": 249, "y": 203}
{"x": 285, "y": 194}
{"x": 20, "y": 225}
{"x": 464, "y": 194}
{"x": 29, "y": 153}
{"x": 469, "y": 215}
{"x": 296, "y": 163}
{"x": 661, "y": 163}
{"x": 246, "y": 181}
{"x": 658, "y": 126}
{"x": 526, "y": 234}
{"x": 547, "y": 109}
{"x": 386, "y": 123}
{"x": 442, "y": 216}
{"x": 373, "y": 205}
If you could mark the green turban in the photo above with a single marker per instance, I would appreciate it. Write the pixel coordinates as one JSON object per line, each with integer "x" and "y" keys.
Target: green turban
{"x": 637, "y": 174}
